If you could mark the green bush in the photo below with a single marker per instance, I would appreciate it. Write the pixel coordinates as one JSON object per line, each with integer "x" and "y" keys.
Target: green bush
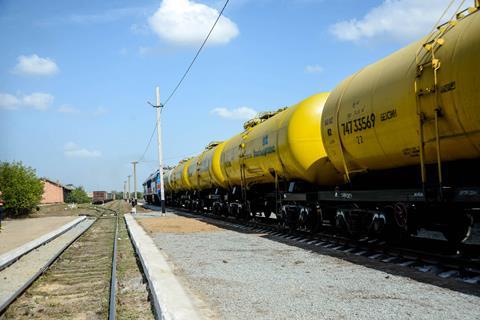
{"x": 78, "y": 195}
{"x": 22, "y": 190}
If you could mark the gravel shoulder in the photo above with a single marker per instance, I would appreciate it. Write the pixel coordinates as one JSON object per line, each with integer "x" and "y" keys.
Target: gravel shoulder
{"x": 246, "y": 276}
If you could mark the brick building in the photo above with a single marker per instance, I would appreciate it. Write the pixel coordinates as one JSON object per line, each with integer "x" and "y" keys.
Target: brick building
{"x": 53, "y": 192}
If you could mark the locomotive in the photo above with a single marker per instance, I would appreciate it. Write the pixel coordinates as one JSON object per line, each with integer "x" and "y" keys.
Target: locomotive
{"x": 393, "y": 148}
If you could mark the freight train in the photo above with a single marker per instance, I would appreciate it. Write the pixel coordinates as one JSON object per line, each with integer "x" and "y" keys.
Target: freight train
{"x": 394, "y": 148}
{"x": 101, "y": 197}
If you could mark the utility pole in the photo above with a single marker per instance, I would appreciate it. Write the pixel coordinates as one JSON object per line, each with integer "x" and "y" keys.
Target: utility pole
{"x": 128, "y": 193}
{"x": 124, "y": 190}
{"x": 158, "y": 106}
{"x": 135, "y": 179}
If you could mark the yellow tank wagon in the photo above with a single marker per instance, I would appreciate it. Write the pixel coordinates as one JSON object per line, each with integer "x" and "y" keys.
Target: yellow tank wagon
{"x": 178, "y": 180}
{"x": 418, "y": 106}
{"x": 167, "y": 178}
{"x": 204, "y": 171}
{"x": 286, "y": 144}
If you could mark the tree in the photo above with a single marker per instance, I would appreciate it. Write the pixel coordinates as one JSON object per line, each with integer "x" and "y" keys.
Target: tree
{"x": 22, "y": 190}
{"x": 78, "y": 195}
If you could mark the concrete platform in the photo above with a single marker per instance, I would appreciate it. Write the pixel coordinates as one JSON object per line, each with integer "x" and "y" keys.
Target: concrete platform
{"x": 247, "y": 275}
{"x": 170, "y": 299}
{"x": 17, "y": 232}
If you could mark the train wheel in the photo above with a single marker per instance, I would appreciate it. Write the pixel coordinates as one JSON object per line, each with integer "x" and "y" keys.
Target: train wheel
{"x": 315, "y": 220}
{"x": 281, "y": 218}
{"x": 246, "y": 212}
{"x": 400, "y": 214}
{"x": 459, "y": 228}
{"x": 341, "y": 223}
{"x": 397, "y": 223}
{"x": 215, "y": 209}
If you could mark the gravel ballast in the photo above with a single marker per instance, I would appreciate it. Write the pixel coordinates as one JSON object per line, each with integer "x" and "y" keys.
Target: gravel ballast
{"x": 245, "y": 276}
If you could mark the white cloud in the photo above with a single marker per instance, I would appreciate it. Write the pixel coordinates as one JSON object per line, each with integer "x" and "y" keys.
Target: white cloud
{"x": 139, "y": 28}
{"x": 9, "y": 102}
{"x": 71, "y": 149}
{"x": 35, "y": 65}
{"x": 37, "y": 100}
{"x": 67, "y": 109}
{"x": 186, "y": 22}
{"x": 315, "y": 68}
{"x": 100, "y": 111}
{"x": 401, "y": 20}
{"x": 107, "y": 16}
{"x": 242, "y": 113}
{"x": 144, "y": 50}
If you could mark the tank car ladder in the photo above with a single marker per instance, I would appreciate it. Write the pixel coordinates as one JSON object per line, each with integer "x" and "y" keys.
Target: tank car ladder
{"x": 429, "y": 59}
{"x": 243, "y": 178}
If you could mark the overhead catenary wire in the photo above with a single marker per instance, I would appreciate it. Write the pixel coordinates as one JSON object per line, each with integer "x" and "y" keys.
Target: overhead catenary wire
{"x": 197, "y": 54}
{"x": 185, "y": 74}
{"x": 184, "y": 156}
{"x": 149, "y": 142}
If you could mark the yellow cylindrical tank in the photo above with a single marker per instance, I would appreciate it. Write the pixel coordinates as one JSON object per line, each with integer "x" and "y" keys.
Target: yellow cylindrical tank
{"x": 288, "y": 144}
{"x": 204, "y": 171}
{"x": 192, "y": 172}
{"x": 380, "y": 117}
{"x": 167, "y": 180}
{"x": 179, "y": 177}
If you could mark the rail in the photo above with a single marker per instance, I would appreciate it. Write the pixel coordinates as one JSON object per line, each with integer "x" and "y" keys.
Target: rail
{"x": 113, "y": 279}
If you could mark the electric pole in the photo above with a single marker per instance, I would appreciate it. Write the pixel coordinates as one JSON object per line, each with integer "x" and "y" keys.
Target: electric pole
{"x": 135, "y": 179}
{"x": 124, "y": 190}
{"x": 158, "y": 106}
{"x": 128, "y": 193}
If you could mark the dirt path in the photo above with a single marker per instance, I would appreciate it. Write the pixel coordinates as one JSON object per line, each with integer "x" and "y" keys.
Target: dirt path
{"x": 20, "y": 231}
{"x": 175, "y": 224}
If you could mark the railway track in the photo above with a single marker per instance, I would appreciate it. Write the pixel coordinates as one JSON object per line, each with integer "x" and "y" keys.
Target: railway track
{"x": 81, "y": 279}
{"x": 423, "y": 255}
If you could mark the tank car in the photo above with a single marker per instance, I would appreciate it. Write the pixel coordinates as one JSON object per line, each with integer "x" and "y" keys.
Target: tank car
{"x": 276, "y": 148}
{"x": 412, "y": 121}
{"x": 394, "y": 148}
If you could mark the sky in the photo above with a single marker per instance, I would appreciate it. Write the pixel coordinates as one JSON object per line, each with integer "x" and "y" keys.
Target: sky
{"x": 75, "y": 76}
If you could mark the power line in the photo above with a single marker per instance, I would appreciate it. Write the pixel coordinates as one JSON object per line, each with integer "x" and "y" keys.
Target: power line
{"x": 184, "y": 156}
{"x": 196, "y": 55}
{"x": 149, "y": 142}
{"x": 186, "y": 72}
